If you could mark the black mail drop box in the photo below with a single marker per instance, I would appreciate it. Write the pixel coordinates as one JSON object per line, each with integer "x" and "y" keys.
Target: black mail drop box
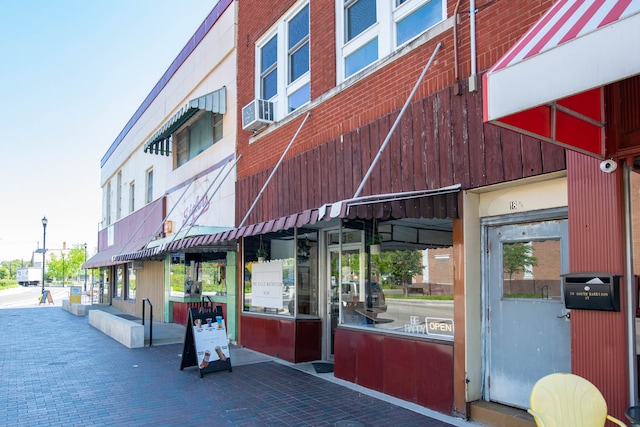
{"x": 592, "y": 291}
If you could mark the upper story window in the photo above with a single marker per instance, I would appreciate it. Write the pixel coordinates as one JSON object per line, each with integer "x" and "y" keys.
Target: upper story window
{"x": 149, "y": 192}
{"x": 132, "y": 196}
{"x": 373, "y": 29}
{"x": 282, "y": 60}
{"x": 108, "y": 204}
{"x": 197, "y": 136}
{"x": 119, "y": 196}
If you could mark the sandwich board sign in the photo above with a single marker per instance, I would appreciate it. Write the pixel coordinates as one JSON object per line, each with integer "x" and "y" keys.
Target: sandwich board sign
{"x": 206, "y": 344}
{"x": 46, "y": 297}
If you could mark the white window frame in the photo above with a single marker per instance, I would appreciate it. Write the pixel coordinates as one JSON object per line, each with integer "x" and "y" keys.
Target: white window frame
{"x": 284, "y": 88}
{"x": 132, "y": 196}
{"x": 385, "y": 29}
{"x": 108, "y": 204}
{"x": 148, "y": 188}
{"x": 119, "y": 196}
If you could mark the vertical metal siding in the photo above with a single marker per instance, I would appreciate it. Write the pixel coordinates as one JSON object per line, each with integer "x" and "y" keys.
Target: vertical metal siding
{"x": 596, "y": 243}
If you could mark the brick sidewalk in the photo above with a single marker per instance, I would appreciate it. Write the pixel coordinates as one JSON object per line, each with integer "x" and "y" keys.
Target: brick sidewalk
{"x": 56, "y": 370}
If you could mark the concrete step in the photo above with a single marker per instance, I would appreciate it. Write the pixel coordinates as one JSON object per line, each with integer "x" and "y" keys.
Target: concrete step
{"x": 496, "y": 415}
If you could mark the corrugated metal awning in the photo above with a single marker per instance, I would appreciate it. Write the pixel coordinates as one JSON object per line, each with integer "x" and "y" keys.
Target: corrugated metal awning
{"x": 215, "y": 102}
{"x": 439, "y": 203}
{"x": 549, "y": 84}
{"x": 112, "y": 254}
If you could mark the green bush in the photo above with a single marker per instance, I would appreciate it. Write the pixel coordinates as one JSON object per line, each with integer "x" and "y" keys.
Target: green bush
{"x": 8, "y": 283}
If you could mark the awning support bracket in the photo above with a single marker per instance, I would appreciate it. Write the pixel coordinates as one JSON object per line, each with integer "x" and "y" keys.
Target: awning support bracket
{"x": 395, "y": 124}
{"x": 274, "y": 170}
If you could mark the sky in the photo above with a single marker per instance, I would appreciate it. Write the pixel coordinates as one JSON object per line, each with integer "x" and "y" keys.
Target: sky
{"x": 72, "y": 73}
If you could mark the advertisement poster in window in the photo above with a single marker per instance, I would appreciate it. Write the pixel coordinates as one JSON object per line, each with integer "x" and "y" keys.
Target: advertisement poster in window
{"x": 268, "y": 284}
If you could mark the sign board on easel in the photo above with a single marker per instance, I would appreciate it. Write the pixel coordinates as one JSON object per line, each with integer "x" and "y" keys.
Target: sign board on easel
{"x": 75, "y": 295}
{"x": 46, "y": 297}
{"x": 206, "y": 344}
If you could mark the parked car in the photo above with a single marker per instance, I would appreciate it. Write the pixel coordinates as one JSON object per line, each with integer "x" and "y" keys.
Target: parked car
{"x": 373, "y": 298}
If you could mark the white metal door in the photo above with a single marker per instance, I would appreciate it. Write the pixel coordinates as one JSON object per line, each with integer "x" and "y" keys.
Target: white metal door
{"x": 527, "y": 327}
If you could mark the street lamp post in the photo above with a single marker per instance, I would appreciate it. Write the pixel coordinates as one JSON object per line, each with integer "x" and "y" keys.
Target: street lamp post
{"x": 85, "y": 270}
{"x": 44, "y": 247}
{"x": 63, "y": 275}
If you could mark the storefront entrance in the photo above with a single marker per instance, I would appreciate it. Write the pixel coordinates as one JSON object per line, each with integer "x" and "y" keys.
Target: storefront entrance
{"x": 527, "y": 331}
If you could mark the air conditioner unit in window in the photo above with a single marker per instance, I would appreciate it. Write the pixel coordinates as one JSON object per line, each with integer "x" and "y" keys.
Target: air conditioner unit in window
{"x": 136, "y": 265}
{"x": 257, "y": 114}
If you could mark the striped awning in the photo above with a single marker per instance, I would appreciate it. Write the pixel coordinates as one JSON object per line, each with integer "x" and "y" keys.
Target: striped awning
{"x": 550, "y": 83}
{"x": 215, "y": 102}
{"x": 438, "y": 203}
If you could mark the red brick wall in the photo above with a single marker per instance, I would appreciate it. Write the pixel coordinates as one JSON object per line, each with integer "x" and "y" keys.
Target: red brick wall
{"x": 498, "y": 26}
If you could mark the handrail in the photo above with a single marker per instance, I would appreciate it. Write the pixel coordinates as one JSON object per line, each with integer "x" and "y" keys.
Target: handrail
{"x": 544, "y": 288}
{"x": 150, "y": 319}
{"x": 210, "y": 302}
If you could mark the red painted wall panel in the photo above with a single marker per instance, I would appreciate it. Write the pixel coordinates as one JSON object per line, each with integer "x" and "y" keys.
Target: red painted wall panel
{"x": 416, "y": 371}
{"x": 400, "y": 368}
{"x": 345, "y": 352}
{"x": 596, "y": 244}
{"x": 370, "y": 363}
{"x": 436, "y": 363}
{"x": 281, "y": 337}
{"x": 308, "y": 340}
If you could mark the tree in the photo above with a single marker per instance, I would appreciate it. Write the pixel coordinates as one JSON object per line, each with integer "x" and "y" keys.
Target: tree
{"x": 65, "y": 265}
{"x": 401, "y": 266}
{"x": 12, "y": 266}
{"x": 518, "y": 258}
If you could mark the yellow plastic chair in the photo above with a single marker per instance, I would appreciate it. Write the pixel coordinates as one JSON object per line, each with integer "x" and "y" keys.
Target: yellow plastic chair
{"x": 567, "y": 400}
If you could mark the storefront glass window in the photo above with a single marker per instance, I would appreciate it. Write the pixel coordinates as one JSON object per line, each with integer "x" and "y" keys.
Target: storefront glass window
{"x": 214, "y": 277}
{"x": 131, "y": 284}
{"x": 119, "y": 281}
{"x": 193, "y": 275}
{"x": 177, "y": 274}
{"x": 280, "y": 274}
{"x": 400, "y": 283}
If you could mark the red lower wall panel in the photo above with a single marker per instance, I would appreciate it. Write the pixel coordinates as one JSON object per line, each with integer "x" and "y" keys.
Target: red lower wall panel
{"x": 412, "y": 370}
{"x": 400, "y": 367}
{"x": 308, "y": 340}
{"x": 283, "y": 338}
{"x": 181, "y": 310}
{"x": 371, "y": 377}
{"x": 431, "y": 390}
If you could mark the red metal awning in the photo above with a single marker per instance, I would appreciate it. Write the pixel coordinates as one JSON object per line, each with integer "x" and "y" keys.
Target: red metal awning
{"x": 549, "y": 85}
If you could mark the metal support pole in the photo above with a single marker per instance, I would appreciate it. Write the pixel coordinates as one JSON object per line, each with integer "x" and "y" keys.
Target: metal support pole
{"x": 393, "y": 128}
{"x": 44, "y": 247}
{"x": 275, "y": 168}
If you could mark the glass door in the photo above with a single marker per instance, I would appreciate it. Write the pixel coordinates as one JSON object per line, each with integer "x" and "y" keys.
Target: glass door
{"x": 345, "y": 273}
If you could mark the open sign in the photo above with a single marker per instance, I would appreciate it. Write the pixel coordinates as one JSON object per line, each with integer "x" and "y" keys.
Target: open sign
{"x": 441, "y": 327}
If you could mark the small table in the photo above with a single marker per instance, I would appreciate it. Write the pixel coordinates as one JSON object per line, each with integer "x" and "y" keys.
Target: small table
{"x": 633, "y": 414}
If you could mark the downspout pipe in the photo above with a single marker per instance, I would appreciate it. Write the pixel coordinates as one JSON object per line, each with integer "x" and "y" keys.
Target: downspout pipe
{"x": 631, "y": 290}
{"x": 456, "y": 72}
{"x": 473, "y": 78}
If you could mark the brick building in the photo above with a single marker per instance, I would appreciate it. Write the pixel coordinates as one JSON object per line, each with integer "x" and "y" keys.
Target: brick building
{"x": 368, "y": 133}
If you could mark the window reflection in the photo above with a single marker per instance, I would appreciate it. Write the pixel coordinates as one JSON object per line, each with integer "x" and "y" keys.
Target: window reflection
{"x": 531, "y": 269}
{"x": 193, "y": 275}
{"x": 407, "y": 282}
{"x": 283, "y": 279}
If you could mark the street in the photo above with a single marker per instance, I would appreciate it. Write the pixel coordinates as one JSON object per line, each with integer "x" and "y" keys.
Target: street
{"x": 30, "y": 296}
